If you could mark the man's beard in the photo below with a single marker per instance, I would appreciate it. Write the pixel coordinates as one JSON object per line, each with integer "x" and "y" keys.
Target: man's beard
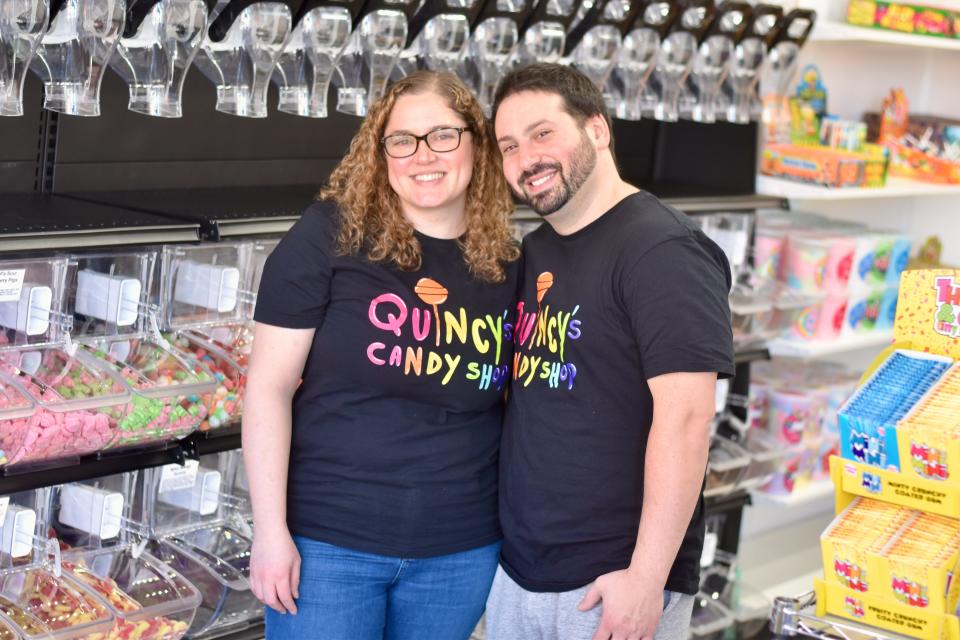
{"x": 582, "y": 164}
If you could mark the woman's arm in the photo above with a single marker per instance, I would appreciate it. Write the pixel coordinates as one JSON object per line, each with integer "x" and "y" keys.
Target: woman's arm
{"x": 273, "y": 376}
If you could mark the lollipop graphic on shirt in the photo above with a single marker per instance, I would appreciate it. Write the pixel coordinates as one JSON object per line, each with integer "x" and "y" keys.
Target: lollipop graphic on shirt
{"x": 544, "y": 282}
{"x": 433, "y": 293}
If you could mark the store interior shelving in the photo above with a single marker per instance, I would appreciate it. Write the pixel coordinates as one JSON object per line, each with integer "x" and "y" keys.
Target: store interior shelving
{"x": 811, "y": 349}
{"x": 836, "y": 31}
{"x": 895, "y": 188}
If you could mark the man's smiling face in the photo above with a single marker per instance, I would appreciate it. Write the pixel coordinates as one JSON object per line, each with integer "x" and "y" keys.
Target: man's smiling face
{"x": 547, "y": 154}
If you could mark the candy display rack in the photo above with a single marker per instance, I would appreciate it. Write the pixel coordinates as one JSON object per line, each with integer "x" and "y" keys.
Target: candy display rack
{"x": 891, "y": 555}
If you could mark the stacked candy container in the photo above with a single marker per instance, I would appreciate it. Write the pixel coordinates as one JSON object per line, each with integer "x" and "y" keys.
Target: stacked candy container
{"x": 147, "y": 599}
{"x": 41, "y": 605}
{"x": 849, "y": 272}
{"x": 78, "y": 406}
{"x": 201, "y": 530}
{"x": 16, "y": 412}
{"x": 169, "y": 391}
{"x": 796, "y": 403}
{"x": 225, "y": 404}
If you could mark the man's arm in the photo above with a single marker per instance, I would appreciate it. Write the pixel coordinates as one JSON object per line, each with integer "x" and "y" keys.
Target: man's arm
{"x": 675, "y": 463}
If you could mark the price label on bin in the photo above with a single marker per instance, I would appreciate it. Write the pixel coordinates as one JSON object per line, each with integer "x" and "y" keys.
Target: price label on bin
{"x": 11, "y": 284}
{"x": 175, "y": 477}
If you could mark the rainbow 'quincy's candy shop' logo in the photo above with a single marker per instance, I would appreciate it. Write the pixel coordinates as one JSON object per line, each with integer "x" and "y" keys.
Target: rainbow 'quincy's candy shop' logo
{"x": 948, "y": 305}
{"x": 928, "y": 462}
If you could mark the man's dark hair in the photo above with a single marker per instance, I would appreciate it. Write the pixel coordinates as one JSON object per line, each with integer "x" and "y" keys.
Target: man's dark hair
{"x": 581, "y": 98}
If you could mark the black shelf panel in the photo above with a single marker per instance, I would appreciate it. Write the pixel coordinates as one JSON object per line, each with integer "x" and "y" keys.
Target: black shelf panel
{"x": 107, "y": 463}
{"x": 750, "y": 354}
{"x": 222, "y": 213}
{"x": 30, "y": 221}
{"x": 727, "y": 502}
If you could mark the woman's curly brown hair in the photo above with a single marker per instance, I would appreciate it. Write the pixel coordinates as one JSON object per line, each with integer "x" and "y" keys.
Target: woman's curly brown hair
{"x": 371, "y": 219}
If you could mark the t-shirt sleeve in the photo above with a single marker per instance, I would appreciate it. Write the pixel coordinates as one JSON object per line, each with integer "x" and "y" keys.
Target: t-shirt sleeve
{"x": 676, "y": 295}
{"x": 295, "y": 285}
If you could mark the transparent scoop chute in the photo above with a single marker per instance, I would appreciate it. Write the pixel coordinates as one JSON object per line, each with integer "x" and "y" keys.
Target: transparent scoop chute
{"x": 370, "y": 55}
{"x": 155, "y": 52}
{"x": 307, "y": 64}
{"x": 439, "y": 35}
{"x": 748, "y": 59}
{"x": 493, "y": 46}
{"x": 545, "y": 36}
{"x": 594, "y": 43}
{"x": 637, "y": 58}
{"x": 74, "y": 52}
{"x": 712, "y": 62}
{"x": 240, "y": 51}
{"x": 22, "y": 25}
{"x": 676, "y": 56}
{"x": 781, "y": 66}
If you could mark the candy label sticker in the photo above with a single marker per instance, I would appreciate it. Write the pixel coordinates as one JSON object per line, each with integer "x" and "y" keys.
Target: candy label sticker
{"x": 11, "y": 284}
{"x": 710, "y": 542}
{"x": 4, "y": 503}
{"x": 175, "y": 477}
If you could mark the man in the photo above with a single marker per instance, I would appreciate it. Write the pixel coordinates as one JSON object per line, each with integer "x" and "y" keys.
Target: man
{"x": 622, "y": 329}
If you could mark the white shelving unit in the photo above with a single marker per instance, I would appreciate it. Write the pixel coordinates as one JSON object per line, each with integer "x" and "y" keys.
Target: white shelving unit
{"x": 809, "y": 350}
{"x": 895, "y": 188}
{"x": 832, "y": 31}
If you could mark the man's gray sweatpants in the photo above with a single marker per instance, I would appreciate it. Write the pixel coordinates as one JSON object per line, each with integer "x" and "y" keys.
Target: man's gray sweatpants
{"x": 514, "y": 613}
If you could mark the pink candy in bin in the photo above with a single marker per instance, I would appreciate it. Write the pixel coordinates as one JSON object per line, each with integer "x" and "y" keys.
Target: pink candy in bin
{"x": 77, "y": 408}
{"x": 806, "y": 262}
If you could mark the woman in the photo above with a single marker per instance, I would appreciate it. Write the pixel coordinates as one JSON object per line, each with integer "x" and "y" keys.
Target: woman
{"x": 374, "y": 482}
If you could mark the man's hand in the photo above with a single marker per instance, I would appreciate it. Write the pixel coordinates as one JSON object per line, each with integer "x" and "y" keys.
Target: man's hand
{"x": 631, "y": 606}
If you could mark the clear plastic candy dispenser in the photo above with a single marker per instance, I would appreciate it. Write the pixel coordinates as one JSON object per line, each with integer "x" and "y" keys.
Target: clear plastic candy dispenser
{"x": 202, "y": 531}
{"x": 79, "y": 407}
{"x": 638, "y": 57}
{"x": 169, "y": 390}
{"x": 748, "y": 59}
{"x": 30, "y": 294}
{"x": 73, "y": 54}
{"x": 36, "y": 600}
{"x": 371, "y": 53}
{"x": 147, "y": 599}
{"x": 243, "y": 43}
{"x": 782, "y": 60}
{"x": 438, "y": 35}
{"x": 493, "y": 45}
{"x": 104, "y": 555}
{"x": 304, "y": 70}
{"x": 22, "y": 25}
{"x": 676, "y": 56}
{"x": 544, "y": 36}
{"x": 712, "y": 62}
{"x": 594, "y": 43}
{"x": 159, "y": 42}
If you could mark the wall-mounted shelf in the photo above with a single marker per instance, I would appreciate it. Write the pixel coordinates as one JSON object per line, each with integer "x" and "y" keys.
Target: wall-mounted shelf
{"x": 110, "y": 463}
{"x": 831, "y": 31}
{"x": 222, "y": 213}
{"x": 694, "y": 205}
{"x": 31, "y": 222}
{"x": 812, "y": 349}
{"x": 895, "y": 188}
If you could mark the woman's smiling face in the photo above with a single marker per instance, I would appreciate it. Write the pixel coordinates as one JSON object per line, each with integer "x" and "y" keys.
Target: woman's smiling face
{"x": 429, "y": 181}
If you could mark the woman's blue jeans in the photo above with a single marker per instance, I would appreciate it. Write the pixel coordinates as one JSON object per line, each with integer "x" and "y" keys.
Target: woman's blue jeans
{"x": 349, "y": 595}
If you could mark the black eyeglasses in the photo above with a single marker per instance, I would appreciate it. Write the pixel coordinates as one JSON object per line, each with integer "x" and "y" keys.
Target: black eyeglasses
{"x": 404, "y": 145}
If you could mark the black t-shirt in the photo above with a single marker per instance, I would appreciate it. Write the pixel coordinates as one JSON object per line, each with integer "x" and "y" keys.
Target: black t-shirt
{"x": 638, "y": 293}
{"x": 396, "y": 426}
